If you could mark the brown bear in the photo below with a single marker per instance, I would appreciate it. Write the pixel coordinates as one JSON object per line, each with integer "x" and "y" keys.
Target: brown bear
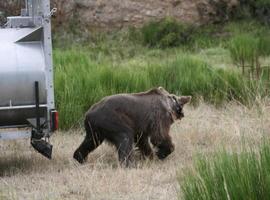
{"x": 125, "y": 119}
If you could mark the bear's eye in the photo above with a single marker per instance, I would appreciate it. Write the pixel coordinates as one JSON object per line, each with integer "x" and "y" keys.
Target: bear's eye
{"x": 174, "y": 100}
{"x": 178, "y": 107}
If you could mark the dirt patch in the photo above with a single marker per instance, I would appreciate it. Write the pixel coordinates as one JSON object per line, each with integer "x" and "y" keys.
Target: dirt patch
{"x": 118, "y": 14}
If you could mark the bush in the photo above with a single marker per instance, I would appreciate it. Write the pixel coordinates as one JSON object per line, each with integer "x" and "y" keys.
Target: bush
{"x": 259, "y": 9}
{"x": 165, "y": 33}
{"x": 229, "y": 176}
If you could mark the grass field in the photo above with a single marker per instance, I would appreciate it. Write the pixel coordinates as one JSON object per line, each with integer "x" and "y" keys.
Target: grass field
{"x": 206, "y": 68}
{"x": 230, "y": 112}
{"x": 80, "y": 82}
{"x": 24, "y": 174}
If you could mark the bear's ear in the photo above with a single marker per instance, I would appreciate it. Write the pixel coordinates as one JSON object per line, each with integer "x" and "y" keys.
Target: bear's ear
{"x": 184, "y": 99}
{"x": 163, "y": 90}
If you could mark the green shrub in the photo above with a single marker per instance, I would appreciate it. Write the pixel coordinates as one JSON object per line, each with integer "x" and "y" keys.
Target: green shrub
{"x": 165, "y": 33}
{"x": 258, "y": 9}
{"x": 261, "y": 3}
{"x": 228, "y": 175}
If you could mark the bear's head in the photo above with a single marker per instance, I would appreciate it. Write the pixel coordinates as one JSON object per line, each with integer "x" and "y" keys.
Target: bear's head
{"x": 176, "y": 104}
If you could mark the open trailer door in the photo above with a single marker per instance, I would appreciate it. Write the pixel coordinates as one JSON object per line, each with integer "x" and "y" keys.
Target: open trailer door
{"x": 27, "y": 107}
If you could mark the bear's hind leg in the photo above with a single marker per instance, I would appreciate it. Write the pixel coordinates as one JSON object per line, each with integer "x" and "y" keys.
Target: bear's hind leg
{"x": 125, "y": 149}
{"x": 116, "y": 131}
{"x": 91, "y": 141}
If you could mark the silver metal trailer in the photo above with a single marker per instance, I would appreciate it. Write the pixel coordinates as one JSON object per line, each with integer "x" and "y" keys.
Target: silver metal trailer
{"x": 27, "y": 108}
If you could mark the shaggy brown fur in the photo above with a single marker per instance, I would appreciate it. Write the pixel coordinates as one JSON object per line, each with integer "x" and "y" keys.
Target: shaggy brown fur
{"x": 125, "y": 119}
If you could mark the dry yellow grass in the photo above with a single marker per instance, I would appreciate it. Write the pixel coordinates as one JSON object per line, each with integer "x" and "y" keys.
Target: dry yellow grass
{"x": 24, "y": 174}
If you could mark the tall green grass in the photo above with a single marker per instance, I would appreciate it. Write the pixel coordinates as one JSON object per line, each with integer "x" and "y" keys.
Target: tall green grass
{"x": 102, "y": 64}
{"x": 228, "y": 175}
{"x": 81, "y": 81}
{"x": 247, "y": 50}
{"x": 244, "y": 50}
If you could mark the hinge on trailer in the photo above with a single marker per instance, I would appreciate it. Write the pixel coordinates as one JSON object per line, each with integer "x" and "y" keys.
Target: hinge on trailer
{"x": 52, "y": 12}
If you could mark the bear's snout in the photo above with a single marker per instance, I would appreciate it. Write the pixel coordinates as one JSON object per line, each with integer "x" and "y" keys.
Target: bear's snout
{"x": 164, "y": 150}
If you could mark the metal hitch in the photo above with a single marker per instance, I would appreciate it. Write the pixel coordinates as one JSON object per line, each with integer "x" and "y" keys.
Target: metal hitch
{"x": 42, "y": 147}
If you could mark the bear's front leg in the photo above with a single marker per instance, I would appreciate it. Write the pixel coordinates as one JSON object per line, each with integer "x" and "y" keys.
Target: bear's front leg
{"x": 165, "y": 148}
{"x": 145, "y": 147}
{"x": 161, "y": 139}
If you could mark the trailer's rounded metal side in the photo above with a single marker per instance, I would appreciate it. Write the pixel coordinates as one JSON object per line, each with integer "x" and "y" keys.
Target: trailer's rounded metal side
{"x": 21, "y": 64}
